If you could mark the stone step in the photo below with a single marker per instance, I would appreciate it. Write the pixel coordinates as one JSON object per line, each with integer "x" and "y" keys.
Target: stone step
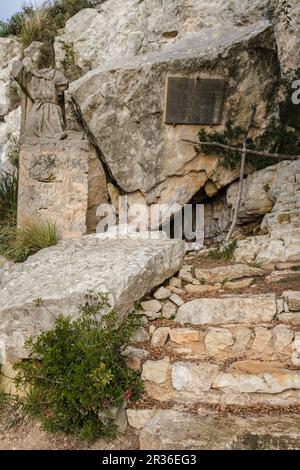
{"x": 177, "y": 430}
{"x": 243, "y": 383}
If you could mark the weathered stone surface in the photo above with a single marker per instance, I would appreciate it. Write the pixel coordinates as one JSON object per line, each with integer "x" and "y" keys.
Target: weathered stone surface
{"x": 293, "y": 300}
{"x": 138, "y": 419}
{"x": 261, "y": 340}
{"x": 141, "y": 335}
{"x": 260, "y": 378}
{"x": 155, "y": 162}
{"x": 160, "y": 336}
{"x": 135, "y": 357}
{"x": 201, "y": 289}
{"x": 153, "y": 306}
{"x": 256, "y": 197}
{"x": 156, "y": 371}
{"x": 175, "y": 282}
{"x": 283, "y": 336}
{"x": 217, "y": 339}
{"x": 33, "y": 55}
{"x": 175, "y": 430}
{"x": 126, "y": 269}
{"x": 227, "y": 273}
{"x": 5, "y": 267}
{"x": 193, "y": 377}
{"x": 231, "y": 309}
{"x": 54, "y": 184}
{"x": 293, "y": 318}
{"x": 280, "y": 248}
{"x": 145, "y": 27}
{"x": 162, "y": 293}
{"x": 183, "y": 335}
{"x": 10, "y": 50}
{"x": 185, "y": 274}
{"x": 168, "y": 310}
{"x": 242, "y": 284}
{"x": 243, "y": 335}
{"x": 296, "y": 353}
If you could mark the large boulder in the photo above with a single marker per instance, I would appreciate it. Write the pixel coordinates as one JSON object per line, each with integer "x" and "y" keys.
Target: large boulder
{"x": 123, "y": 103}
{"x": 56, "y": 279}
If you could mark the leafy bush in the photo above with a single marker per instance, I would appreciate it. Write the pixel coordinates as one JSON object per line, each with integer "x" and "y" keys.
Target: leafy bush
{"x": 76, "y": 372}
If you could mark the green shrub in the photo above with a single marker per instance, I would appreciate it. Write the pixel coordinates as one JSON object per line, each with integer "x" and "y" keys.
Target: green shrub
{"x": 223, "y": 252}
{"x": 76, "y": 372}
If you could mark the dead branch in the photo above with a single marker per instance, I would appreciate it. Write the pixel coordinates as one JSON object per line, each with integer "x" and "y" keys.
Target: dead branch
{"x": 248, "y": 151}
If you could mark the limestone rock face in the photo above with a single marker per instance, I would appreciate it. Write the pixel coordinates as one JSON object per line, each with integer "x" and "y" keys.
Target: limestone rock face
{"x": 123, "y": 101}
{"x": 60, "y": 276}
{"x": 130, "y": 27}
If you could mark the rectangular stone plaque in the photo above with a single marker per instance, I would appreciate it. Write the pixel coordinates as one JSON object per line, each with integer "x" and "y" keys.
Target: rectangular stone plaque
{"x": 195, "y": 100}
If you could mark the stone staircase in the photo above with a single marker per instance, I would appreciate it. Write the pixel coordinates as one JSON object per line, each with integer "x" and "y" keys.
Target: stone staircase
{"x": 220, "y": 360}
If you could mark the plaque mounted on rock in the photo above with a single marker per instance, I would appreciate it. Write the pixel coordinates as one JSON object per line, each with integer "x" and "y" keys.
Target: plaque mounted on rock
{"x": 195, "y": 100}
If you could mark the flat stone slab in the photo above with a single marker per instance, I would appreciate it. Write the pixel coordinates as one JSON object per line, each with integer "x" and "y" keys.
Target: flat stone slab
{"x": 229, "y": 309}
{"x": 56, "y": 279}
{"x": 175, "y": 430}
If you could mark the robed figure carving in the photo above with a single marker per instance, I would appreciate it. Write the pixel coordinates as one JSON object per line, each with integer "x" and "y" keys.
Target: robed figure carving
{"x": 42, "y": 101}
